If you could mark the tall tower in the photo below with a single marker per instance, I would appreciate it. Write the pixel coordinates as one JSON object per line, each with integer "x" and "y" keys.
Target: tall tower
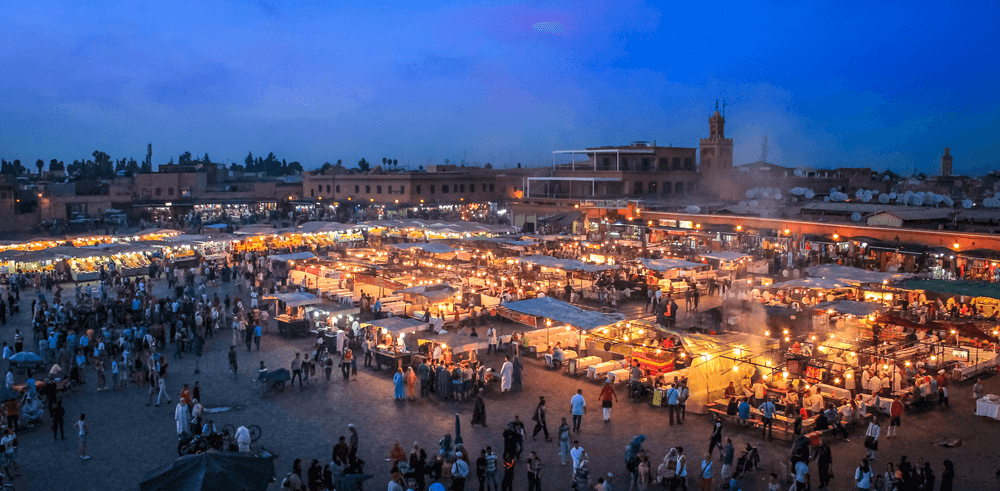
{"x": 946, "y": 162}
{"x": 716, "y": 157}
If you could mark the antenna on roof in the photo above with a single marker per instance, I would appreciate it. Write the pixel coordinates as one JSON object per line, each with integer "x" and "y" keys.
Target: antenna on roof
{"x": 724, "y": 104}
{"x": 763, "y": 150}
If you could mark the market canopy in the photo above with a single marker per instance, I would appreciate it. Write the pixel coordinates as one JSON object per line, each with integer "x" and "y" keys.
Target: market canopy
{"x": 854, "y": 276}
{"x": 557, "y": 310}
{"x": 294, "y": 299}
{"x": 432, "y": 293}
{"x": 458, "y": 343}
{"x": 319, "y": 227}
{"x": 294, "y": 256}
{"x": 212, "y": 471}
{"x": 858, "y": 309}
{"x": 726, "y": 255}
{"x": 398, "y": 325}
{"x": 810, "y": 282}
{"x": 433, "y": 248}
{"x": 668, "y": 264}
{"x": 217, "y": 225}
{"x": 565, "y": 264}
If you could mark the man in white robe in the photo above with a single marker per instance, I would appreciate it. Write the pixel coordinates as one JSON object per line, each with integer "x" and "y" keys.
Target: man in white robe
{"x": 506, "y": 375}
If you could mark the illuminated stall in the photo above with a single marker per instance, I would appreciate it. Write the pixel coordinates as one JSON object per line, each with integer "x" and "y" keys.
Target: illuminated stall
{"x": 292, "y": 321}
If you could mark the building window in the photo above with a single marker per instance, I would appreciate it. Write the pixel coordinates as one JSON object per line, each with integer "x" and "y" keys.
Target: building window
{"x": 418, "y": 189}
{"x": 368, "y": 189}
{"x": 378, "y": 189}
{"x": 170, "y": 191}
{"x": 432, "y": 189}
{"x": 312, "y": 193}
{"x": 327, "y": 188}
{"x": 679, "y": 188}
{"x": 444, "y": 189}
{"x": 402, "y": 190}
{"x": 624, "y": 164}
{"x": 664, "y": 164}
{"x": 645, "y": 163}
{"x": 491, "y": 188}
{"x": 666, "y": 188}
{"x": 357, "y": 189}
{"x": 159, "y": 191}
{"x": 652, "y": 187}
{"x": 389, "y": 190}
{"x": 319, "y": 188}
{"x": 338, "y": 188}
{"x": 677, "y": 163}
{"x": 606, "y": 163}
{"x": 689, "y": 163}
{"x": 637, "y": 187}
{"x": 461, "y": 188}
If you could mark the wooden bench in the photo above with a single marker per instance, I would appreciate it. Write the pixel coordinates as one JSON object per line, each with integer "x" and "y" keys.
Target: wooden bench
{"x": 721, "y": 413}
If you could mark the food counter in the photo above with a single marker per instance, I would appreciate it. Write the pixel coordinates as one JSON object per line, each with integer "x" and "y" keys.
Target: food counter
{"x": 292, "y": 327}
{"x": 388, "y": 357}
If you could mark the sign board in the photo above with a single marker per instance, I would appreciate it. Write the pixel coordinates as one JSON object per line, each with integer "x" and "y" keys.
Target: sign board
{"x": 621, "y": 349}
{"x": 526, "y": 319}
{"x": 605, "y": 203}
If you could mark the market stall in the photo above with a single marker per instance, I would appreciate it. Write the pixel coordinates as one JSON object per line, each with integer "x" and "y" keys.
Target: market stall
{"x": 544, "y": 314}
{"x": 394, "y": 340}
{"x": 292, "y": 321}
{"x": 453, "y": 345}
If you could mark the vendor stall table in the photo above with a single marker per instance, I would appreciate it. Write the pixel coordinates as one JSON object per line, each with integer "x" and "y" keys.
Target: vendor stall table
{"x": 988, "y": 406}
{"x": 393, "y": 359}
{"x": 599, "y": 370}
{"x": 832, "y": 392}
{"x": 291, "y": 327}
{"x": 581, "y": 364}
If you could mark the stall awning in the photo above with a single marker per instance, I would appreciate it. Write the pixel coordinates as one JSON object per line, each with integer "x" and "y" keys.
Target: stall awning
{"x": 295, "y": 256}
{"x": 850, "y": 307}
{"x": 726, "y": 256}
{"x": 668, "y": 264}
{"x": 854, "y": 276}
{"x": 397, "y": 325}
{"x": 294, "y": 299}
{"x": 458, "y": 343}
{"x": 821, "y": 283}
{"x": 959, "y": 287}
{"x": 433, "y": 293}
{"x": 433, "y": 248}
{"x": 565, "y": 264}
{"x": 560, "y": 311}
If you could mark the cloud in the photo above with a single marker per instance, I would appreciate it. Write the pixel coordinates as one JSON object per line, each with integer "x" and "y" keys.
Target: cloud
{"x": 548, "y": 27}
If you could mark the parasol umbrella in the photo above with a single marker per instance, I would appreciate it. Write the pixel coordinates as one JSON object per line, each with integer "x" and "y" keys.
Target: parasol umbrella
{"x": 458, "y": 431}
{"x": 8, "y": 395}
{"x": 231, "y": 471}
{"x": 26, "y": 357}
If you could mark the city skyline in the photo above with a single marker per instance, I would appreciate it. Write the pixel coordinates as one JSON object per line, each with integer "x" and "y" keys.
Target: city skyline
{"x": 885, "y": 87}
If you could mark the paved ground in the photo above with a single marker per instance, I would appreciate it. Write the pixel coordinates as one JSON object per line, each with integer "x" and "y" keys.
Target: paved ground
{"x": 129, "y": 439}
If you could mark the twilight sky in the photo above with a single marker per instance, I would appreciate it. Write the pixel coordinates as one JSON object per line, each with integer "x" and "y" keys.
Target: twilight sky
{"x": 880, "y": 84}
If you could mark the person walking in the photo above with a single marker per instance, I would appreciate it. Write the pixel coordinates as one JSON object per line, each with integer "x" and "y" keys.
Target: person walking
{"x": 607, "y": 394}
{"x": 539, "y": 419}
{"x": 564, "y": 441}
{"x": 478, "y": 409}
{"x": 256, "y": 336}
{"x": 163, "y": 392}
{"x": 297, "y": 369}
{"x": 345, "y": 363}
{"x": 328, "y": 366}
{"x": 871, "y": 439}
{"x": 578, "y": 407}
{"x": 824, "y": 463}
{"x": 232, "y": 360}
{"x": 306, "y": 369}
{"x": 673, "y": 400}
{"x": 767, "y": 410}
{"x": 534, "y": 472}
{"x": 84, "y": 431}
{"x": 491, "y": 470}
{"x": 705, "y": 477}
{"x": 58, "y": 415}
{"x": 507, "y": 484}
{"x": 948, "y": 476}
{"x": 716, "y": 438}
{"x": 459, "y": 471}
{"x": 863, "y": 476}
{"x": 481, "y": 469}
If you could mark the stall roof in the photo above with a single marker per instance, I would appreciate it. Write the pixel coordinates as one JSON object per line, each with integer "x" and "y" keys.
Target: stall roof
{"x": 433, "y": 293}
{"x": 851, "y": 307}
{"x": 256, "y": 230}
{"x": 560, "y": 311}
{"x": 397, "y": 325}
{"x": 668, "y": 264}
{"x": 459, "y": 343}
{"x": 726, "y": 255}
{"x": 960, "y": 287}
{"x": 294, "y": 256}
{"x": 294, "y": 299}
{"x": 822, "y": 283}
{"x": 327, "y": 227}
{"x": 854, "y": 276}
{"x": 565, "y": 264}
{"x": 433, "y": 248}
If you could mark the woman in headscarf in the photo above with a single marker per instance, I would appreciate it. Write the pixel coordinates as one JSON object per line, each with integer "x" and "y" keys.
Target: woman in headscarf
{"x": 411, "y": 383}
{"x": 479, "y": 410}
{"x": 398, "y": 381}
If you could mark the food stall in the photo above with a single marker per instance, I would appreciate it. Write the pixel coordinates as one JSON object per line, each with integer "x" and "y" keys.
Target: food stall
{"x": 453, "y": 345}
{"x": 639, "y": 340}
{"x": 669, "y": 274}
{"x": 292, "y": 321}
{"x": 392, "y": 334}
{"x": 545, "y": 314}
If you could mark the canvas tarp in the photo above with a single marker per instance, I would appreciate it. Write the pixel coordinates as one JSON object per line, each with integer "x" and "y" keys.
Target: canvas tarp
{"x": 668, "y": 264}
{"x": 432, "y": 248}
{"x": 294, "y": 299}
{"x": 850, "y": 307}
{"x": 810, "y": 282}
{"x": 428, "y": 293}
{"x": 212, "y": 471}
{"x": 294, "y": 256}
{"x": 459, "y": 343}
{"x": 726, "y": 256}
{"x": 854, "y": 276}
{"x": 565, "y": 264}
{"x": 557, "y": 310}
{"x": 397, "y": 325}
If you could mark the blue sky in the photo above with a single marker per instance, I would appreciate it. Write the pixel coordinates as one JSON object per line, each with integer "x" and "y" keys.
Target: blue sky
{"x": 880, "y": 84}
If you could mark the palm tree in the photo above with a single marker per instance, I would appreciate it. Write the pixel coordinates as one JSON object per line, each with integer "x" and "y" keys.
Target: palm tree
{"x": 383, "y": 161}
{"x": 39, "y": 163}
